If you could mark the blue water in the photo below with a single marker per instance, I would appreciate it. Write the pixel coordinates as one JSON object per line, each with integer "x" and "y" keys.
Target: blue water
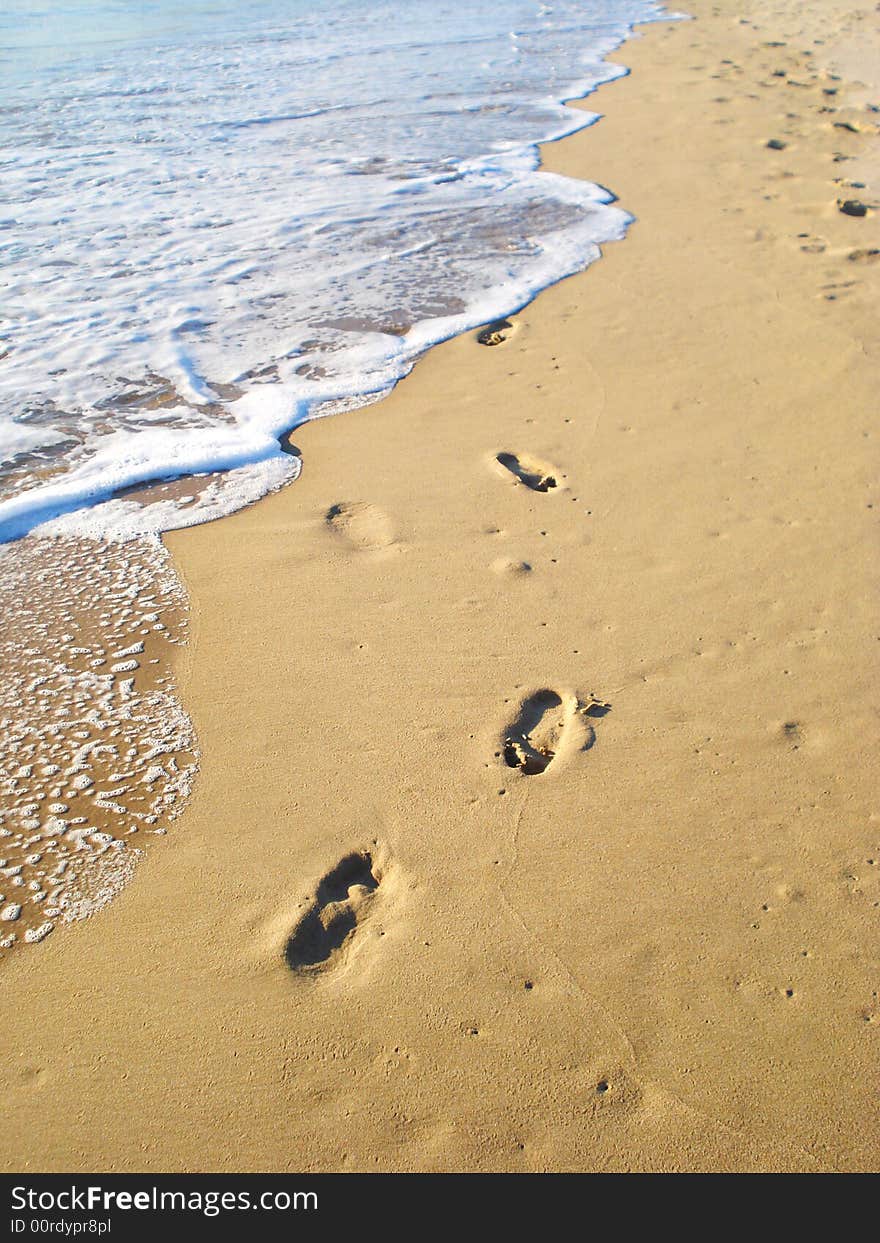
{"x": 218, "y": 219}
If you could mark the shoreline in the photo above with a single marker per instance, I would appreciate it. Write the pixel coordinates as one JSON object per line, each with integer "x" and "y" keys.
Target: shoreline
{"x": 84, "y": 543}
{"x": 84, "y": 507}
{"x": 654, "y": 953}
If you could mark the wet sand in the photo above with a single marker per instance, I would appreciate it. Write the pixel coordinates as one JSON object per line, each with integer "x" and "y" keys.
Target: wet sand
{"x": 536, "y": 824}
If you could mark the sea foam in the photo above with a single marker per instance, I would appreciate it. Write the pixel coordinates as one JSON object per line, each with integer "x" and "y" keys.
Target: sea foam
{"x": 228, "y": 219}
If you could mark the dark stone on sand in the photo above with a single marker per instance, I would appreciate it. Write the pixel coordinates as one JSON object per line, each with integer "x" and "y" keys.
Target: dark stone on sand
{"x": 853, "y": 207}
{"x": 776, "y": 144}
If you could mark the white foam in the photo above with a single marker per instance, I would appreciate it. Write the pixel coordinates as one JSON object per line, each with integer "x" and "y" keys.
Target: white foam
{"x": 204, "y": 245}
{"x": 57, "y": 716}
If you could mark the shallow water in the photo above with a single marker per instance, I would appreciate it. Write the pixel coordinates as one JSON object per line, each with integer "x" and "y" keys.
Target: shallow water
{"x": 218, "y": 219}
{"x": 97, "y": 756}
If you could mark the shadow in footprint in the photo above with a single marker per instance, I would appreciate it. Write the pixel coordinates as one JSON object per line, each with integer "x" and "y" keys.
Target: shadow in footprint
{"x": 547, "y": 724}
{"x": 493, "y": 334}
{"x": 340, "y": 905}
{"x": 528, "y": 746}
{"x": 534, "y": 475}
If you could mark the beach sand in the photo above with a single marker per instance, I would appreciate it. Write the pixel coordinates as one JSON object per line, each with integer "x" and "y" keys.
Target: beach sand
{"x": 387, "y": 933}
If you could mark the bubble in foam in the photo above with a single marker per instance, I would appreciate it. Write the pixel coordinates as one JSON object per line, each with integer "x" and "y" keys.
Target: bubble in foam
{"x": 124, "y": 666}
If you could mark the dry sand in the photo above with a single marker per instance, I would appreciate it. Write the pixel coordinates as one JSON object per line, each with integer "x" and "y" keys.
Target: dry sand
{"x": 661, "y": 951}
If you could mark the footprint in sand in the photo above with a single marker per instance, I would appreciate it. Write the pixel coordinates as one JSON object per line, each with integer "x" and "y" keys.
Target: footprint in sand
{"x": 534, "y": 474}
{"x": 360, "y": 525}
{"x": 832, "y": 292}
{"x": 511, "y": 567}
{"x": 811, "y": 245}
{"x": 549, "y": 727}
{"x": 495, "y": 333}
{"x": 867, "y": 254}
{"x": 344, "y": 900}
